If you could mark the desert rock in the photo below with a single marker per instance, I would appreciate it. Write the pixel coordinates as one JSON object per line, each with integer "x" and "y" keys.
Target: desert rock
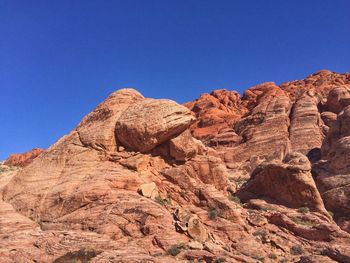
{"x": 149, "y": 123}
{"x": 23, "y": 159}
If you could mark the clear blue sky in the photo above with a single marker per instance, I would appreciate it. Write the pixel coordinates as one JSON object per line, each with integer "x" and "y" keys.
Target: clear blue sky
{"x": 59, "y": 59}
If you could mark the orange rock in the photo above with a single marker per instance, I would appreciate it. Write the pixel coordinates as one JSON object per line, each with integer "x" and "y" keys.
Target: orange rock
{"x": 23, "y": 159}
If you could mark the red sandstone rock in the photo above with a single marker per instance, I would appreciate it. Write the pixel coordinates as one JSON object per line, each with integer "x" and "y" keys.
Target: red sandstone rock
{"x": 149, "y": 123}
{"x": 23, "y": 159}
{"x": 290, "y": 183}
{"x": 89, "y": 197}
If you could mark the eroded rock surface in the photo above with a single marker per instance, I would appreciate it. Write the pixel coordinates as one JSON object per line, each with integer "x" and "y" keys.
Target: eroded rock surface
{"x": 149, "y": 123}
{"x": 23, "y": 159}
{"x": 131, "y": 184}
{"x": 289, "y": 183}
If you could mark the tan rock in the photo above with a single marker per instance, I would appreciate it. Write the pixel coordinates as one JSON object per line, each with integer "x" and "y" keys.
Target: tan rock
{"x": 184, "y": 147}
{"x": 97, "y": 129}
{"x": 195, "y": 245}
{"x": 138, "y": 162}
{"x": 328, "y": 117}
{"x": 256, "y": 220}
{"x": 336, "y": 99}
{"x": 196, "y": 229}
{"x": 305, "y": 127}
{"x": 149, "y": 190}
{"x": 150, "y": 122}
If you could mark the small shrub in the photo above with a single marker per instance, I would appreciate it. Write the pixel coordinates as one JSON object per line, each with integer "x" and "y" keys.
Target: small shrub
{"x": 330, "y": 213}
{"x": 234, "y": 199}
{"x": 163, "y": 201}
{"x": 301, "y": 221}
{"x": 296, "y": 250}
{"x": 303, "y": 210}
{"x": 283, "y": 260}
{"x": 213, "y": 214}
{"x": 261, "y": 234}
{"x": 175, "y": 250}
{"x": 272, "y": 256}
{"x": 239, "y": 181}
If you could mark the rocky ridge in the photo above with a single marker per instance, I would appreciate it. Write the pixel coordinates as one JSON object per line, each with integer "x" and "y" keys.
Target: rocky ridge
{"x": 224, "y": 179}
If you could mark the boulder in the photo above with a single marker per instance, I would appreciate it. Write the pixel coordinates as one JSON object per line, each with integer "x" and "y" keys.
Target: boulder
{"x": 97, "y": 129}
{"x": 149, "y": 190}
{"x": 185, "y": 147}
{"x": 151, "y": 122}
{"x": 196, "y": 229}
{"x": 337, "y": 99}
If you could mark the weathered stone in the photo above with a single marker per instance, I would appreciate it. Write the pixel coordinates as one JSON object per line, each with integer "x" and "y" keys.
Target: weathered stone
{"x": 196, "y": 230}
{"x": 337, "y": 99}
{"x": 184, "y": 147}
{"x": 97, "y": 129}
{"x": 150, "y": 122}
{"x": 23, "y": 159}
{"x": 149, "y": 190}
{"x": 290, "y": 183}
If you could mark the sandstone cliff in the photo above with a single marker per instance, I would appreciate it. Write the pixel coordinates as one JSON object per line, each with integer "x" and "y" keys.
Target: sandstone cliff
{"x": 258, "y": 178}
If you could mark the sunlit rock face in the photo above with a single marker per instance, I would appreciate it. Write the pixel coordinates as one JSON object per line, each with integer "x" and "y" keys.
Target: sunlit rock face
{"x": 224, "y": 178}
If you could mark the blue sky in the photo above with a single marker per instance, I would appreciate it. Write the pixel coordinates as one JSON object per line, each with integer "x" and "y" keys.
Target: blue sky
{"x": 59, "y": 59}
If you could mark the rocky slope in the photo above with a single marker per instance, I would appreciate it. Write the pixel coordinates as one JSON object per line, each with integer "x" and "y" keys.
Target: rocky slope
{"x": 258, "y": 178}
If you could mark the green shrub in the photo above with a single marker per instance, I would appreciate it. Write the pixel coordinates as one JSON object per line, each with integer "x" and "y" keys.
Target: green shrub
{"x": 235, "y": 199}
{"x": 301, "y": 221}
{"x": 174, "y": 250}
{"x": 163, "y": 201}
{"x": 261, "y": 234}
{"x": 213, "y": 214}
{"x": 303, "y": 210}
{"x": 296, "y": 250}
{"x": 239, "y": 181}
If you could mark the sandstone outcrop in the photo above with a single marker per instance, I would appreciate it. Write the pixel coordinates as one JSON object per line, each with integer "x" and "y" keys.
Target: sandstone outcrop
{"x": 149, "y": 123}
{"x": 23, "y": 159}
{"x": 289, "y": 183}
{"x": 184, "y": 147}
{"x": 131, "y": 184}
{"x": 214, "y": 111}
{"x": 338, "y": 98}
{"x": 97, "y": 129}
{"x": 333, "y": 172}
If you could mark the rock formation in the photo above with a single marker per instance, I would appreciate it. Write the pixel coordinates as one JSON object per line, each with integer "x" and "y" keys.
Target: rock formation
{"x": 23, "y": 159}
{"x": 224, "y": 179}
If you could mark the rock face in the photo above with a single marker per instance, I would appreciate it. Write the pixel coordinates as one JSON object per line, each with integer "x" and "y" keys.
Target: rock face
{"x": 149, "y": 123}
{"x": 131, "y": 184}
{"x": 215, "y": 111}
{"x": 333, "y": 172}
{"x": 289, "y": 183}
{"x": 306, "y": 124}
{"x": 23, "y": 159}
